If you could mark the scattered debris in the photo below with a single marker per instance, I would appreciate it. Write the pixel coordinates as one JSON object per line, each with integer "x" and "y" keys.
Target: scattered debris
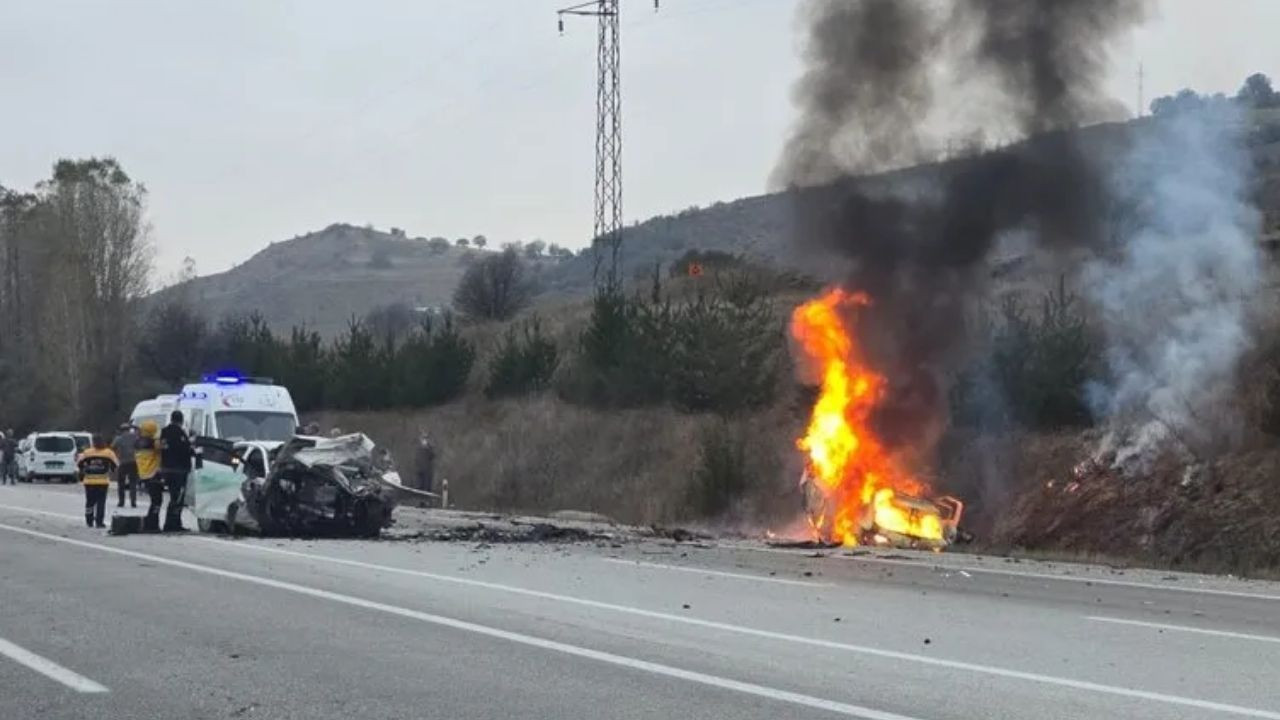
{"x": 511, "y": 532}
{"x": 803, "y": 544}
{"x": 679, "y": 534}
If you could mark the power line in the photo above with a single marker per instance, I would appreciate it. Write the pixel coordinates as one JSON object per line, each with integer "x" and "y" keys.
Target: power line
{"x": 608, "y": 186}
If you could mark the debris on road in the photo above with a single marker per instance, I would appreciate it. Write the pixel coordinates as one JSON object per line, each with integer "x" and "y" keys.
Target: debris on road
{"x": 512, "y": 532}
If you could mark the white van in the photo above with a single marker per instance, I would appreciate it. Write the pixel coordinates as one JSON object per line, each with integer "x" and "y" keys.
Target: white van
{"x": 83, "y": 439}
{"x": 156, "y": 409}
{"x": 52, "y": 456}
{"x": 230, "y": 407}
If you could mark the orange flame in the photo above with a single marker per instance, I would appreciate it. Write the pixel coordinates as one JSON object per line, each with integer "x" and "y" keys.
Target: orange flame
{"x": 857, "y": 478}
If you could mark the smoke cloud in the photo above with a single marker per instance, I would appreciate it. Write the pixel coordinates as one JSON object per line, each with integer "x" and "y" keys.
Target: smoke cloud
{"x": 1174, "y": 296}
{"x": 919, "y": 242}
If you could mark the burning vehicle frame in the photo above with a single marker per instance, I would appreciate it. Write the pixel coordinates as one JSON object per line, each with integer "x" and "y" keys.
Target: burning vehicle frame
{"x": 856, "y": 491}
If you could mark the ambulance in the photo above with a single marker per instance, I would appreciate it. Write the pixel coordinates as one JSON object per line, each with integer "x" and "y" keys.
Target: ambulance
{"x": 228, "y": 406}
{"x": 157, "y": 410}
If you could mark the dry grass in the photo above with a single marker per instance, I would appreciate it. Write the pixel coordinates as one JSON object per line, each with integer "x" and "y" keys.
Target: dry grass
{"x": 539, "y": 455}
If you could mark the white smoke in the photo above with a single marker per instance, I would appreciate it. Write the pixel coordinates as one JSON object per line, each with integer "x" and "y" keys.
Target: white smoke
{"x": 1173, "y": 292}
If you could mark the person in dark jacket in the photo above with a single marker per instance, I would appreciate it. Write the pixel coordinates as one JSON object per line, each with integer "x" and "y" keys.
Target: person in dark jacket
{"x": 9, "y": 458}
{"x": 176, "y": 454}
{"x": 425, "y": 462}
{"x": 127, "y": 474}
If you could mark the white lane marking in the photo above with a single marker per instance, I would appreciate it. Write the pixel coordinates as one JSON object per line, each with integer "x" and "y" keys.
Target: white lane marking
{"x": 739, "y": 629}
{"x": 46, "y": 513}
{"x": 771, "y": 635}
{"x": 1184, "y": 628}
{"x": 929, "y": 565}
{"x": 723, "y": 683}
{"x": 716, "y": 573}
{"x": 923, "y": 564}
{"x": 49, "y": 668}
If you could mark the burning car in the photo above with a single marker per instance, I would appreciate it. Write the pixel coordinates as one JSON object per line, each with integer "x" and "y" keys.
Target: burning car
{"x": 856, "y": 490}
{"x": 890, "y": 519}
{"x": 308, "y": 486}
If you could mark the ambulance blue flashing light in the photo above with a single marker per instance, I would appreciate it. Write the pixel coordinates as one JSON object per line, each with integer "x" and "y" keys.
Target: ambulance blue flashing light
{"x": 226, "y": 377}
{"x": 234, "y": 377}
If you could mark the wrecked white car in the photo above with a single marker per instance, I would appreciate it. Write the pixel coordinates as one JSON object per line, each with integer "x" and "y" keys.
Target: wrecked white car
{"x": 306, "y": 487}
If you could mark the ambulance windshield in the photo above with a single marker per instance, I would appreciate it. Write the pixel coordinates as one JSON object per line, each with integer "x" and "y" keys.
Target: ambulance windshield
{"x": 255, "y": 425}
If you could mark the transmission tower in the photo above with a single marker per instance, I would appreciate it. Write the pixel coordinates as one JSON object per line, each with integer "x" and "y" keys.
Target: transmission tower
{"x": 608, "y": 191}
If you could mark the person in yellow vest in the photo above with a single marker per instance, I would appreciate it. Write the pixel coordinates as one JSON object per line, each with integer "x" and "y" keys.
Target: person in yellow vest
{"x": 96, "y": 466}
{"x": 146, "y": 454}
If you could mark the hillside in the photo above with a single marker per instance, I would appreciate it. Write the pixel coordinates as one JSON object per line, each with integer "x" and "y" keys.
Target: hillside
{"x": 762, "y": 226}
{"x": 323, "y": 278}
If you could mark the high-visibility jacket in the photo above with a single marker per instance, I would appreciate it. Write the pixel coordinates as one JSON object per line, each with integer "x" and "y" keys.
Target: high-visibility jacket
{"x": 97, "y": 466}
{"x": 146, "y": 450}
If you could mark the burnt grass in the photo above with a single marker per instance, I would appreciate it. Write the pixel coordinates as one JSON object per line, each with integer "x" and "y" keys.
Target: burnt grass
{"x": 1221, "y": 516}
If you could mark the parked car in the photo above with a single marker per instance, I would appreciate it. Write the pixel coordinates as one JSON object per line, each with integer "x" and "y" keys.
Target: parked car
{"x": 52, "y": 457}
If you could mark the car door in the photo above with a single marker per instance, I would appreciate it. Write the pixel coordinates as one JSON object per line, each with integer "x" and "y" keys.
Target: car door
{"x": 213, "y": 486}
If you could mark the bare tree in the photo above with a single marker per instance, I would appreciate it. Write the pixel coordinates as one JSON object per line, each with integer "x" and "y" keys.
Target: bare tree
{"x": 91, "y": 219}
{"x": 494, "y": 287}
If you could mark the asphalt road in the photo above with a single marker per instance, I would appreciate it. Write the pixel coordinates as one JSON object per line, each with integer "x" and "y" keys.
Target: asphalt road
{"x": 199, "y": 627}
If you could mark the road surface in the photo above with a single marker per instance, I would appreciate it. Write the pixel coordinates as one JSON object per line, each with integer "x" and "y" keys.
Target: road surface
{"x": 194, "y": 626}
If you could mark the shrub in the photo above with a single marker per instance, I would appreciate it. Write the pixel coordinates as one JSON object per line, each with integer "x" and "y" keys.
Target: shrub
{"x": 722, "y": 474}
{"x": 524, "y": 363}
{"x": 303, "y": 369}
{"x": 623, "y": 353}
{"x": 495, "y": 287}
{"x": 717, "y": 352}
{"x": 357, "y": 371}
{"x": 433, "y": 364}
{"x": 1035, "y": 371}
{"x": 726, "y": 350}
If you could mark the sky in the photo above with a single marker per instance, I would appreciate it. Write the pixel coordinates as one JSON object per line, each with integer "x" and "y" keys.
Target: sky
{"x": 253, "y": 121}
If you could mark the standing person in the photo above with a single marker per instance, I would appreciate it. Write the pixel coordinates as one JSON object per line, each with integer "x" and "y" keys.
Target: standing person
{"x": 11, "y": 467}
{"x": 146, "y": 457}
{"x": 8, "y": 456}
{"x": 175, "y": 465}
{"x": 425, "y": 462}
{"x": 96, "y": 465}
{"x": 127, "y": 475}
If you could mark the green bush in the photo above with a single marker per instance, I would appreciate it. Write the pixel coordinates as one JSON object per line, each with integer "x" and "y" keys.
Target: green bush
{"x": 524, "y": 362}
{"x": 722, "y": 473}
{"x": 717, "y": 352}
{"x": 303, "y": 367}
{"x": 1035, "y": 371}
{"x": 623, "y": 353}
{"x": 358, "y": 371}
{"x": 726, "y": 349}
{"x": 433, "y": 364}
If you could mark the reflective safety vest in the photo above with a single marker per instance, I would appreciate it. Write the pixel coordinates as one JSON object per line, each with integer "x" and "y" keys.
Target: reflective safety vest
{"x": 97, "y": 466}
{"x": 146, "y": 451}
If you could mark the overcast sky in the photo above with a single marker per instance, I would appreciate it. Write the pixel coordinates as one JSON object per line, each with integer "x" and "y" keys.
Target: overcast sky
{"x": 256, "y": 120}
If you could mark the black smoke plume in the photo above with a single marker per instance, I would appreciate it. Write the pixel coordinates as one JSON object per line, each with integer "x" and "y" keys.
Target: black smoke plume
{"x": 918, "y": 242}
